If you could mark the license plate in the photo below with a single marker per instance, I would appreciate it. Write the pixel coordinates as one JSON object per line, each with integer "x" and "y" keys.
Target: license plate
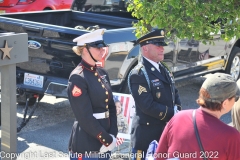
{"x": 33, "y": 80}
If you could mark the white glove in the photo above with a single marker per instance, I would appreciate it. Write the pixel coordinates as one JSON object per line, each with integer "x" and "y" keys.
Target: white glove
{"x": 175, "y": 110}
{"x": 113, "y": 144}
{"x": 103, "y": 149}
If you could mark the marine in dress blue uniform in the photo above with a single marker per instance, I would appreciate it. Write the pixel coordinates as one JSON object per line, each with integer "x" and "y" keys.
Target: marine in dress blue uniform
{"x": 155, "y": 96}
{"x": 91, "y": 100}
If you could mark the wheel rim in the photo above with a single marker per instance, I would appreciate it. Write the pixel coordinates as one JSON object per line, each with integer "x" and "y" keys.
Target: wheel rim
{"x": 235, "y": 68}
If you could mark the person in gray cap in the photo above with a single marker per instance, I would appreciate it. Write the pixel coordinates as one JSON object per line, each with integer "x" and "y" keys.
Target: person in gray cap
{"x": 236, "y": 112}
{"x": 217, "y": 140}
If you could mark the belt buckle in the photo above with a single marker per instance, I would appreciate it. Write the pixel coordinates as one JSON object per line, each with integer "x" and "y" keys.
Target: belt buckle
{"x": 106, "y": 114}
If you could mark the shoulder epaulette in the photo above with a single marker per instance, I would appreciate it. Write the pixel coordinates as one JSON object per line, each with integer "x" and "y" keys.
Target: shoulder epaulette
{"x": 136, "y": 69}
{"x": 78, "y": 70}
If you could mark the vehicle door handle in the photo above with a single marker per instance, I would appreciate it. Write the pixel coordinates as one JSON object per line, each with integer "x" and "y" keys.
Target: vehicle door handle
{"x": 33, "y": 30}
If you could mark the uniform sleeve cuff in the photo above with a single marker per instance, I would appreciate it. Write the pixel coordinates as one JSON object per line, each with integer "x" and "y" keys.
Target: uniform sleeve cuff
{"x": 105, "y": 139}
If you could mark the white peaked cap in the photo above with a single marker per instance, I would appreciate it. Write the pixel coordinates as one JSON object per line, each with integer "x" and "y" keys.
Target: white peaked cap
{"x": 94, "y": 36}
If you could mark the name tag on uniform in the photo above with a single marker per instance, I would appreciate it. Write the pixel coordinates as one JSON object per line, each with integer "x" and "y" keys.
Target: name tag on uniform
{"x": 156, "y": 82}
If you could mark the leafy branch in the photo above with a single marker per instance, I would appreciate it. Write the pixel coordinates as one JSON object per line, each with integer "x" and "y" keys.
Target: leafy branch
{"x": 200, "y": 19}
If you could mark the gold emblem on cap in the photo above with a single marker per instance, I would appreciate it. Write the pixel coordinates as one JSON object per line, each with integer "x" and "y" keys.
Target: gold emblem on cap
{"x": 153, "y": 69}
{"x": 162, "y": 32}
{"x": 102, "y": 32}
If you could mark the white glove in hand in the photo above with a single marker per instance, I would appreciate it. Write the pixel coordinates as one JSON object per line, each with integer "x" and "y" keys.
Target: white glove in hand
{"x": 175, "y": 110}
{"x": 113, "y": 144}
{"x": 103, "y": 149}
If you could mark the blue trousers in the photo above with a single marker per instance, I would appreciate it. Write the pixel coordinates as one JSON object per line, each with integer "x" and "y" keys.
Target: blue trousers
{"x": 90, "y": 156}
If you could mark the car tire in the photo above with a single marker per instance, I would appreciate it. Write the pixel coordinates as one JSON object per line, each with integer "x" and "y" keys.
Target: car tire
{"x": 233, "y": 66}
{"x": 31, "y": 101}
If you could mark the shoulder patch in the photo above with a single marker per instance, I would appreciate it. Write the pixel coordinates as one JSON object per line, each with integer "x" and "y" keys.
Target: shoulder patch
{"x": 76, "y": 92}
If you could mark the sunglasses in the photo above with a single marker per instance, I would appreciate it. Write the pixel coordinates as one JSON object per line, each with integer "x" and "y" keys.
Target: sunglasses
{"x": 97, "y": 44}
{"x": 236, "y": 98}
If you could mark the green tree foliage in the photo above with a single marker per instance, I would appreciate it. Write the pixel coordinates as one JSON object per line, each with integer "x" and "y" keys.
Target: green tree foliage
{"x": 188, "y": 18}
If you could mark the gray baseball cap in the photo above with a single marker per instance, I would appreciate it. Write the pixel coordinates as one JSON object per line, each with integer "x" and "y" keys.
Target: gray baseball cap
{"x": 220, "y": 86}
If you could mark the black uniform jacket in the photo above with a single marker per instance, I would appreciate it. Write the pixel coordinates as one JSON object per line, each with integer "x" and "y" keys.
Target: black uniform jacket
{"x": 154, "y": 105}
{"x": 89, "y": 92}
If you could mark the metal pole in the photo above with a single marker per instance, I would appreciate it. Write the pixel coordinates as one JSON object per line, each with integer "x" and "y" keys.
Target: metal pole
{"x": 9, "y": 110}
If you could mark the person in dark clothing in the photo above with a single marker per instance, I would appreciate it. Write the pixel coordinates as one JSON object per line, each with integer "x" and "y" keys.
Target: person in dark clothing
{"x": 91, "y": 99}
{"x": 153, "y": 89}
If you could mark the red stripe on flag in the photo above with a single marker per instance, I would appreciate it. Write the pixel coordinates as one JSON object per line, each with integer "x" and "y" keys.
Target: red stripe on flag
{"x": 122, "y": 99}
{"x": 119, "y": 141}
{"x": 126, "y": 107}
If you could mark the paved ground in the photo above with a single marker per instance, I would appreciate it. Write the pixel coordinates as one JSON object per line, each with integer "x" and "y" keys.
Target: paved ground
{"x": 46, "y": 135}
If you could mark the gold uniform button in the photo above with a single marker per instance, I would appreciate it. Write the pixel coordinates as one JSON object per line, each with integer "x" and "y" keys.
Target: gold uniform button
{"x": 91, "y": 68}
{"x": 99, "y": 136}
{"x": 102, "y": 86}
{"x": 157, "y": 87}
{"x": 103, "y": 140}
{"x": 95, "y": 74}
{"x": 99, "y": 80}
{"x": 106, "y": 100}
{"x": 106, "y": 92}
{"x": 107, "y": 106}
{"x": 107, "y": 144}
{"x": 147, "y": 123}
